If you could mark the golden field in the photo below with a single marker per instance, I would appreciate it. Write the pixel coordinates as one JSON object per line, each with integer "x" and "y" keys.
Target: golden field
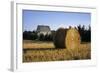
{"x": 37, "y": 51}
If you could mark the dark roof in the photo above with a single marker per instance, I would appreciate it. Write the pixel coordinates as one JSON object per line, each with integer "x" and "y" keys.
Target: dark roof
{"x": 43, "y": 28}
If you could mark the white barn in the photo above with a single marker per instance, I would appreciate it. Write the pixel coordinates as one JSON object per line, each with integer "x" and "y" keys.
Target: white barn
{"x": 41, "y": 29}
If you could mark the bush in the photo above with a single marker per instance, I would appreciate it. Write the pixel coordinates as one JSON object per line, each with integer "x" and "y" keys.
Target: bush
{"x": 41, "y": 37}
{"x": 28, "y": 35}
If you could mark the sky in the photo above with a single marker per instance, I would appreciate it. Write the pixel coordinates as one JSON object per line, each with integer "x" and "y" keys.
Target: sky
{"x": 32, "y": 18}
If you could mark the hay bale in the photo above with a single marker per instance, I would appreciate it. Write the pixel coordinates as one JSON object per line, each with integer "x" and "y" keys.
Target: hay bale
{"x": 59, "y": 38}
{"x": 72, "y": 40}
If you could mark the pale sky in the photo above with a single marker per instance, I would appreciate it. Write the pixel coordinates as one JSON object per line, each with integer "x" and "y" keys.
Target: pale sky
{"x": 33, "y": 18}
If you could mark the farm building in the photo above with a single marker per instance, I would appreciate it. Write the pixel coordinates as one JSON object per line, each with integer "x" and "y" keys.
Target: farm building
{"x": 42, "y": 29}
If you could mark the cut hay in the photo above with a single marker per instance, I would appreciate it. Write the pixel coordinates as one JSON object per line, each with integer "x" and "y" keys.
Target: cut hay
{"x": 72, "y": 40}
{"x": 59, "y": 39}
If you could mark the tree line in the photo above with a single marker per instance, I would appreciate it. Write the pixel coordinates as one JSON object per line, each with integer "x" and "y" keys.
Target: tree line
{"x": 32, "y": 35}
{"x": 84, "y": 33}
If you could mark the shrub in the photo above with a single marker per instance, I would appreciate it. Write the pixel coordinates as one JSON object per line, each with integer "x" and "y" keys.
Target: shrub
{"x": 41, "y": 37}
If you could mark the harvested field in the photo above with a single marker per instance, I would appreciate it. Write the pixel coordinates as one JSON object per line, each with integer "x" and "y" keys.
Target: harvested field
{"x": 37, "y": 45}
{"x": 34, "y": 51}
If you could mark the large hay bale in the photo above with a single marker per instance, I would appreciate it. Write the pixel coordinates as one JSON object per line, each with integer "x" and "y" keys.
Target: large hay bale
{"x": 59, "y": 38}
{"x": 72, "y": 40}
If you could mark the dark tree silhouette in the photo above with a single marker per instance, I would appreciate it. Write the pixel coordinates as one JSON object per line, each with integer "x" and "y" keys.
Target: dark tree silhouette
{"x": 41, "y": 37}
{"x": 85, "y": 34}
{"x": 29, "y": 35}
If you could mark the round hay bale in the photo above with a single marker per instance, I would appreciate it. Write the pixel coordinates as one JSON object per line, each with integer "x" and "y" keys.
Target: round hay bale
{"x": 72, "y": 40}
{"x": 59, "y": 38}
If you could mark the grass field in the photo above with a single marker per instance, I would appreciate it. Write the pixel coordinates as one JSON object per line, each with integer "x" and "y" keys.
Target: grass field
{"x": 37, "y": 51}
{"x": 28, "y": 44}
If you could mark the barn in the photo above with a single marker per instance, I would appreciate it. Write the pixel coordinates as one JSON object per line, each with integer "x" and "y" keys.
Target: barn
{"x": 42, "y": 29}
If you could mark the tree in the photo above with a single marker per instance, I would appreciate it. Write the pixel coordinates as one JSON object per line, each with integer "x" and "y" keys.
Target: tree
{"x": 41, "y": 37}
{"x": 29, "y": 35}
{"x": 85, "y": 34}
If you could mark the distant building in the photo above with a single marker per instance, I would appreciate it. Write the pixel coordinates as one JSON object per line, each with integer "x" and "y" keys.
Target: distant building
{"x": 42, "y": 29}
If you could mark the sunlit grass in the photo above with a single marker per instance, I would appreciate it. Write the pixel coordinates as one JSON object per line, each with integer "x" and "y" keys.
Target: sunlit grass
{"x": 58, "y": 54}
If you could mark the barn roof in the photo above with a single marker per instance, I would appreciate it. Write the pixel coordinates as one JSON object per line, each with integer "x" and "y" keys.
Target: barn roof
{"x": 43, "y": 28}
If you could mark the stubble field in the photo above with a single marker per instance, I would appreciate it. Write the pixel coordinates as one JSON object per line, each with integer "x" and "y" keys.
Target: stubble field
{"x": 37, "y": 51}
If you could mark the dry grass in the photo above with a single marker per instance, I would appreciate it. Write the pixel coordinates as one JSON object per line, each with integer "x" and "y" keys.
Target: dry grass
{"x": 37, "y": 44}
{"x": 58, "y": 54}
